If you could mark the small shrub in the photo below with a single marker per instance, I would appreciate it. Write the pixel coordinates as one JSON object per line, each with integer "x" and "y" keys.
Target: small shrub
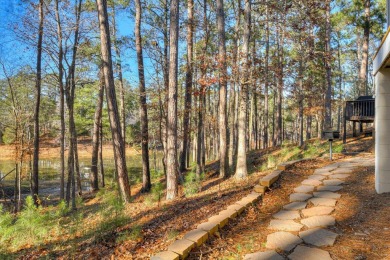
{"x": 77, "y": 221}
{"x": 239, "y": 248}
{"x": 122, "y": 237}
{"x": 31, "y": 226}
{"x": 79, "y": 202}
{"x": 155, "y": 195}
{"x": 264, "y": 167}
{"x": 271, "y": 161}
{"x": 338, "y": 148}
{"x": 136, "y": 232}
{"x": 6, "y": 220}
{"x": 112, "y": 203}
{"x": 192, "y": 183}
{"x": 312, "y": 150}
{"x": 157, "y": 191}
{"x": 172, "y": 234}
{"x": 156, "y": 174}
{"x": 62, "y": 209}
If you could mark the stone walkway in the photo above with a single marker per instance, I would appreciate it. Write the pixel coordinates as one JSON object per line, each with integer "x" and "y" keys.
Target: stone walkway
{"x": 301, "y": 227}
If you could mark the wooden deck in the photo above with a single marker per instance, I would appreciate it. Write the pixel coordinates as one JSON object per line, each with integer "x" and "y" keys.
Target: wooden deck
{"x": 359, "y": 111}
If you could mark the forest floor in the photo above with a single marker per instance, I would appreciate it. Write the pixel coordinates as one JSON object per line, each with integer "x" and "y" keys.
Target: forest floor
{"x": 149, "y": 224}
{"x": 362, "y": 217}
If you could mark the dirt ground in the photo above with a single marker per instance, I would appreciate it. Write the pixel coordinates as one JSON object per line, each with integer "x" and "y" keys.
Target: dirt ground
{"x": 362, "y": 216}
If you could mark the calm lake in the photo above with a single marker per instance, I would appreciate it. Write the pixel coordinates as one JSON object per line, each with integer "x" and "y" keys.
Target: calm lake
{"x": 49, "y": 171}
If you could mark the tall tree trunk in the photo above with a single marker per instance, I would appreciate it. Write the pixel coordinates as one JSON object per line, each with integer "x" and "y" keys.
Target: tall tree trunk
{"x": 273, "y": 116}
{"x": 363, "y": 88}
{"x": 166, "y": 82}
{"x": 96, "y": 134}
{"x": 266, "y": 81}
{"x": 328, "y": 58}
{"x": 340, "y": 83}
{"x": 146, "y": 184}
{"x": 200, "y": 135}
{"x": 250, "y": 121}
{"x": 231, "y": 127}
{"x": 278, "y": 135}
{"x": 117, "y": 139}
{"x": 241, "y": 168}
{"x": 234, "y": 92}
{"x": 201, "y": 152}
{"x": 70, "y": 187}
{"x": 62, "y": 101}
{"x": 75, "y": 149}
{"x": 101, "y": 163}
{"x": 38, "y": 81}
{"x": 300, "y": 93}
{"x": 308, "y": 125}
{"x": 122, "y": 110}
{"x": 73, "y": 167}
{"x": 223, "y": 154}
{"x": 300, "y": 121}
{"x": 188, "y": 94}
{"x": 172, "y": 175}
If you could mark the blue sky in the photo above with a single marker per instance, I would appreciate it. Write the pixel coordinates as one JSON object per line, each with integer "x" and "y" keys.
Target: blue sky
{"x": 16, "y": 54}
{"x": 10, "y": 49}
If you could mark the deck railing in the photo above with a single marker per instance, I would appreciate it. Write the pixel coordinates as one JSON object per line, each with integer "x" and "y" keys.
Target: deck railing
{"x": 360, "y": 110}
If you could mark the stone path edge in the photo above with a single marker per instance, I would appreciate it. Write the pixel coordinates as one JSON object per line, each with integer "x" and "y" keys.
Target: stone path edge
{"x": 180, "y": 248}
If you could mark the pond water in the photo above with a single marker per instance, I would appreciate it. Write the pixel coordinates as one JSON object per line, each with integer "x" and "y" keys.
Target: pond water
{"x": 49, "y": 170}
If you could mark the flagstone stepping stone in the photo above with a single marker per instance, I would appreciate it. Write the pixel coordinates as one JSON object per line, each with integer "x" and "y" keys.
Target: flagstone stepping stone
{"x": 333, "y": 182}
{"x": 304, "y": 189}
{"x": 342, "y": 171}
{"x": 340, "y": 176}
{"x": 317, "y": 177}
{"x": 317, "y": 211}
{"x": 284, "y": 225}
{"x": 267, "y": 255}
{"x": 327, "y": 194}
{"x": 282, "y": 240}
{"x": 198, "y": 236}
{"x": 322, "y": 172}
{"x": 347, "y": 164}
{"x": 287, "y": 214}
{"x": 182, "y": 247}
{"x": 311, "y": 182}
{"x": 323, "y": 202}
{"x": 318, "y": 237}
{"x": 309, "y": 253}
{"x": 329, "y": 188}
{"x": 329, "y": 168}
{"x": 318, "y": 221}
{"x": 295, "y": 206}
{"x": 300, "y": 197}
{"x": 367, "y": 164}
{"x": 165, "y": 255}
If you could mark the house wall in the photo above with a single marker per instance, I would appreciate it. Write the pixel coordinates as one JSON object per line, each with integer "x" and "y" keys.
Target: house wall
{"x": 388, "y": 12}
{"x": 382, "y": 131}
